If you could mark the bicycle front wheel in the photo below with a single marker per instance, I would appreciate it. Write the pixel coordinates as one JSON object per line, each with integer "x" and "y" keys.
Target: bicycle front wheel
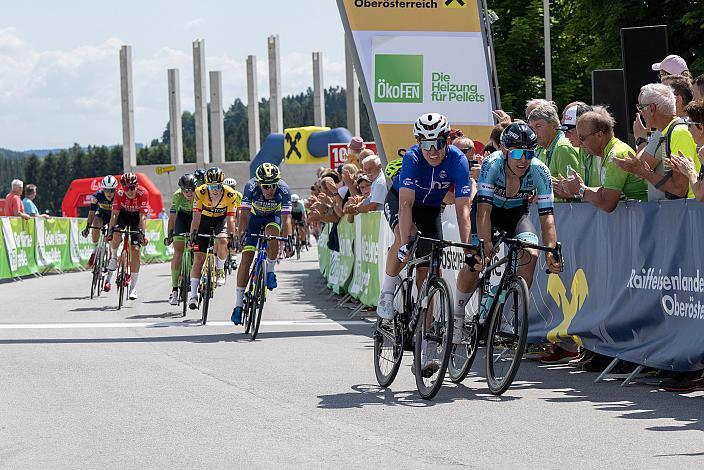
{"x": 508, "y": 331}
{"x": 258, "y": 303}
{"x": 463, "y": 354}
{"x": 388, "y": 340}
{"x": 207, "y": 290}
{"x": 184, "y": 282}
{"x": 433, "y": 339}
{"x": 122, "y": 280}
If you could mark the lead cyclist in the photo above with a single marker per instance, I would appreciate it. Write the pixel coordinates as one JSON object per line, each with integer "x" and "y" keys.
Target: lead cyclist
{"x": 508, "y": 182}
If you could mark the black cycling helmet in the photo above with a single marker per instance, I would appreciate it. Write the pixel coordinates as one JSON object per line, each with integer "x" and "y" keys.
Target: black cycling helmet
{"x": 267, "y": 173}
{"x": 214, "y": 175}
{"x": 128, "y": 179}
{"x": 199, "y": 175}
{"x": 518, "y": 135}
{"x": 187, "y": 181}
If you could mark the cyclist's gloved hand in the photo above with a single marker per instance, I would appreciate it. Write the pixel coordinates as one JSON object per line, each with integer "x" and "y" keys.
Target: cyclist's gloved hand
{"x": 404, "y": 251}
{"x": 141, "y": 239}
{"x": 194, "y": 237}
{"x": 84, "y": 232}
{"x": 170, "y": 239}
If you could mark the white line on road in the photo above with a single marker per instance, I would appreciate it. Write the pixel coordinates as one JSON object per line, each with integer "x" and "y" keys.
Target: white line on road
{"x": 182, "y": 324}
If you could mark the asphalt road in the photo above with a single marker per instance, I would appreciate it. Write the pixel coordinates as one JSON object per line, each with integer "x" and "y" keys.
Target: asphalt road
{"x": 85, "y": 386}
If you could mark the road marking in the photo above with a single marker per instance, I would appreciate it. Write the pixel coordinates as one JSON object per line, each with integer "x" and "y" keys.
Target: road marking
{"x": 167, "y": 324}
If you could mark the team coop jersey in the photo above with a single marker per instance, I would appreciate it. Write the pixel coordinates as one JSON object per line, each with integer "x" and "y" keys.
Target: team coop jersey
{"x": 140, "y": 203}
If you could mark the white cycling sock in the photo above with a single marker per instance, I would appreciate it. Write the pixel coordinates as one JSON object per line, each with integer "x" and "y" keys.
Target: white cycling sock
{"x": 133, "y": 280}
{"x": 239, "y": 294}
{"x": 219, "y": 263}
{"x": 388, "y": 285}
{"x": 270, "y": 265}
{"x": 194, "y": 286}
{"x": 461, "y": 300}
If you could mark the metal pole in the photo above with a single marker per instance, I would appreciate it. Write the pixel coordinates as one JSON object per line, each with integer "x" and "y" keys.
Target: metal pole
{"x": 318, "y": 90}
{"x": 175, "y": 135}
{"x": 253, "y": 107}
{"x": 217, "y": 126}
{"x": 201, "y": 98}
{"x": 352, "y": 91}
{"x": 129, "y": 151}
{"x": 276, "y": 117}
{"x": 548, "y": 56}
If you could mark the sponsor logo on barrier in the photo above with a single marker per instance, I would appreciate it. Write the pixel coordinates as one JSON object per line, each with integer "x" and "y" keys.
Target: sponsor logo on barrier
{"x": 569, "y": 306}
{"x": 680, "y": 294}
{"x": 404, "y": 4}
{"x": 398, "y": 78}
{"x": 454, "y": 3}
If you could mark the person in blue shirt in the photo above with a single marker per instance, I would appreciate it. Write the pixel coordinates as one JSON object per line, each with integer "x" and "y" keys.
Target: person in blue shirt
{"x": 429, "y": 169}
{"x": 30, "y": 208}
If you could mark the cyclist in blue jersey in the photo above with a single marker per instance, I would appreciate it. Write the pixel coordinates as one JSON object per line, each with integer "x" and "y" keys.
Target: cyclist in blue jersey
{"x": 266, "y": 206}
{"x": 509, "y": 181}
{"x": 99, "y": 215}
{"x": 413, "y": 203}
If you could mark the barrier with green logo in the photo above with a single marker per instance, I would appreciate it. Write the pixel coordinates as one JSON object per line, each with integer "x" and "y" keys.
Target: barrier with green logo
{"x": 324, "y": 252}
{"x": 345, "y": 259}
{"x": 40, "y": 245}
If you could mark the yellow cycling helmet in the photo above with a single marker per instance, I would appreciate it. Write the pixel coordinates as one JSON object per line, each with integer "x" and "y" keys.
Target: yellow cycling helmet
{"x": 267, "y": 173}
{"x": 393, "y": 167}
{"x": 214, "y": 175}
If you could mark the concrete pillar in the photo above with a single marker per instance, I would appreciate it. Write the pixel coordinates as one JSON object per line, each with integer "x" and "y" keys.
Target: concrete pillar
{"x": 352, "y": 89}
{"x": 175, "y": 135}
{"x": 276, "y": 108}
{"x": 318, "y": 90}
{"x": 201, "y": 114}
{"x": 129, "y": 150}
{"x": 217, "y": 116}
{"x": 253, "y": 107}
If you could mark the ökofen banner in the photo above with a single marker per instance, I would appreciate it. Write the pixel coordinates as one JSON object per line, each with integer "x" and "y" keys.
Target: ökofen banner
{"x": 401, "y": 54}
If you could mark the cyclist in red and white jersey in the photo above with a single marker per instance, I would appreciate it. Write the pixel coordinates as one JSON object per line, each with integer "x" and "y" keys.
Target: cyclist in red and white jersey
{"x": 130, "y": 209}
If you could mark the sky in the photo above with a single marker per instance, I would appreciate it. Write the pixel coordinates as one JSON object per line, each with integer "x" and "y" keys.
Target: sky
{"x": 59, "y": 60}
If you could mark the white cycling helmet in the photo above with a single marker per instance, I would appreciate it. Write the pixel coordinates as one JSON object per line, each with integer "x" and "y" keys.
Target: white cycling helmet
{"x": 295, "y": 198}
{"x": 231, "y": 182}
{"x": 109, "y": 182}
{"x": 431, "y": 126}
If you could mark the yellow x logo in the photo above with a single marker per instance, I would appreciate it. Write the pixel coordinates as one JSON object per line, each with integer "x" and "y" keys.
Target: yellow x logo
{"x": 454, "y": 3}
{"x": 570, "y": 307}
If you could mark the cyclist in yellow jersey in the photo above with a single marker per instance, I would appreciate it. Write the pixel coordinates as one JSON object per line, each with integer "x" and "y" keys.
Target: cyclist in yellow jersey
{"x": 214, "y": 206}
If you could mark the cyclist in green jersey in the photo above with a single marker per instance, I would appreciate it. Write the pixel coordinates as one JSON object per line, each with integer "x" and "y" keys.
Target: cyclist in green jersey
{"x": 180, "y": 216}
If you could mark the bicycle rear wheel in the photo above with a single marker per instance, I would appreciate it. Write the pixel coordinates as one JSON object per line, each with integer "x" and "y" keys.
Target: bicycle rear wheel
{"x": 433, "y": 342}
{"x": 462, "y": 355}
{"x": 508, "y": 331}
{"x": 207, "y": 290}
{"x": 95, "y": 282}
{"x": 258, "y": 302}
{"x": 101, "y": 261}
{"x": 388, "y": 340}
{"x": 184, "y": 282}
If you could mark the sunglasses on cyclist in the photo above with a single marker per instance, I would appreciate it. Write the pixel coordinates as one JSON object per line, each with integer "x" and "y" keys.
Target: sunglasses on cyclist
{"x": 268, "y": 187}
{"x": 517, "y": 154}
{"x": 132, "y": 187}
{"x": 437, "y": 144}
{"x": 214, "y": 186}
{"x": 108, "y": 190}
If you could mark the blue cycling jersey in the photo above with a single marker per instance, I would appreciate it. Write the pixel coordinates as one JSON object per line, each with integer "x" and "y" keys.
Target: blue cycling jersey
{"x": 254, "y": 199}
{"x": 536, "y": 180}
{"x": 431, "y": 183}
{"x": 98, "y": 202}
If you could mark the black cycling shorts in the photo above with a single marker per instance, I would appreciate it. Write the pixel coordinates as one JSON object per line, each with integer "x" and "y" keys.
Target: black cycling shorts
{"x": 182, "y": 224}
{"x": 297, "y": 216}
{"x": 425, "y": 218}
{"x": 103, "y": 216}
{"x": 209, "y": 226}
{"x": 128, "y": 220}
{"x": 512, "y": 221}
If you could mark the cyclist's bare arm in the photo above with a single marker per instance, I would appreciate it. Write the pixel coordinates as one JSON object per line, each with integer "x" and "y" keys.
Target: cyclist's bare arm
{"x": 406, "y": 199}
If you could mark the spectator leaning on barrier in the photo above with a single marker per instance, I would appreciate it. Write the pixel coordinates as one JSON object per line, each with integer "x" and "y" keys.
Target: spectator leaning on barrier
{"x": 13, "y": 201}
{"x": 698, "y": 88}
{"x": 683, "y": 165}
{"x": 554, "y": 149}
{"x": 372, "y": 168}
{"x": 349, "y": 176}
{"x": 355, "y": 146}
{"x": 28, "y": 202}
{"x": 682, "y": 88}
{"x": 364, "y": 191}
{"x": 596, "y": 132}
{"x": 671, "y": 65}
{"x": 656, "y": 104}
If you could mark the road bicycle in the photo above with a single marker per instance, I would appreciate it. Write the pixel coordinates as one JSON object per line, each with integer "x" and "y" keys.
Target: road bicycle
{"x": 124, "y": 264}
{"x": 255, "y": 292}
{"x": 423, "y": 324}
{"x": 184, "y": 276}
{"x": 297, "y": 242}
{"x": 100, "y": 263}
{"x": 206, "y": 287}
{"x": 500, "y": 321}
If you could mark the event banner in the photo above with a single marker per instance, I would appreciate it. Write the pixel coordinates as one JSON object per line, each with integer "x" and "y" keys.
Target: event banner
{"x": 323, "y": 251}
{"x": 402, "y": 51}
{"x": 5, "y": 272}
{"x": 52, "y": 244}
{"x": 343, "y": 265}
{"x": 156, "y": 250}
{"x": 19, "y": 245}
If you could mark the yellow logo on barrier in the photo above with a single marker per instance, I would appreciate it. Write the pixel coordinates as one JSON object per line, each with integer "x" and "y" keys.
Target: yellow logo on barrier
{"x": 570, "y": 307}
{"x": 160, "y": 170}
{"x": 296, "y": 145}
{"x": 454, "y": 3}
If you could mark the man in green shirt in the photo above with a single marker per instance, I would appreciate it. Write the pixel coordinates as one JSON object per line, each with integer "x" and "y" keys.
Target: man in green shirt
{"x": 595, "y": 130}
{"x": 554, "y": 148}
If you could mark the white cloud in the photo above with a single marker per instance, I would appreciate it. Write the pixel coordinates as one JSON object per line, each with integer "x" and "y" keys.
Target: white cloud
{"x": 194, "y": 23}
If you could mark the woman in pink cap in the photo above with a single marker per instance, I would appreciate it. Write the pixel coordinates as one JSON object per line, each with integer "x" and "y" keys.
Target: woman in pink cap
{"x": 355, "y": 146}
{"x": 672, "y": 65}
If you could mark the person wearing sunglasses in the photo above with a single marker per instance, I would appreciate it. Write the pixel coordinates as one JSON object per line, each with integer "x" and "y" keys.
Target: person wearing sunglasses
{"x": 429, "y": 168}
{"x": 99, "y": 215}
{"x": 214, "y": 208}
{"x": 130, "y": 208}
{"x": 266, "y": 207}
{"x": 180, "y": 218}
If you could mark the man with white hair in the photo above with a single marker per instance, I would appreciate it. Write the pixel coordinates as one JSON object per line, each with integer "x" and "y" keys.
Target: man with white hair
{"x": 371, "y": 166}
{"x": 554, "y": 148}
{"x": 656, "y": 103}
{"x": 13, "y": 201}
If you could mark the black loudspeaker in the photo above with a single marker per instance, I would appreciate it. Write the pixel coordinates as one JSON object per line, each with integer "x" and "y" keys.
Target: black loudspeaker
{"x": 608, "y": 89}
{"x": 640, "y": 48}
